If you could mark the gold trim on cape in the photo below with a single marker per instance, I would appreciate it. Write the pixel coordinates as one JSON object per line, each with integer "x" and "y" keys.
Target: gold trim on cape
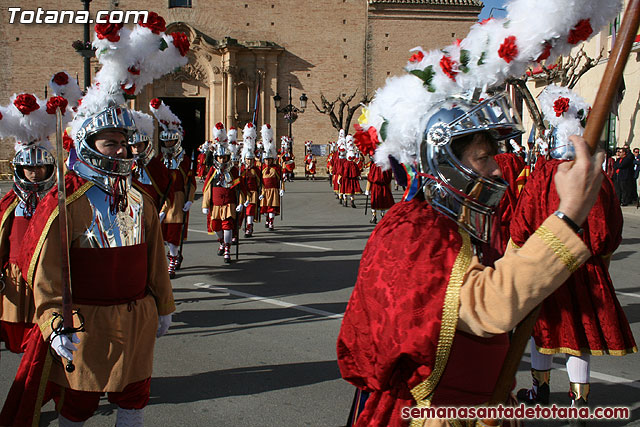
{"x": 582, "y": 351}
{"x": 423, "y": 392}
{"x": 45, "y": 231}
{"x": 9, "y": 211}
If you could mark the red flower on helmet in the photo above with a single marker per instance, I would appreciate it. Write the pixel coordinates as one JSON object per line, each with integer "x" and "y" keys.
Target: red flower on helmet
{"x": 366, "y": 140}
{"x": 60, "y": 78}
{"x": 26, "y": 103}
{"x": 219, "y": 126}
{"x": 508, "y": 49}
{"x": 67, "y": 141}
{"x": 181, "y": 41}
{"x": 249, "y": 125}
{"x": 108, "y": 31}
{"x": 545, "y": 53}
{"x": 417, "y": 57}
{"x": 268, "y": 126}
{"x": 155, "y": 103}
{"x": 134, "y": 70}
{"x": 560, "y": 106}
{"x": 155, "y": 23}
{"x": 447, "y": 64}
{"x": 128, "y": 90}
{"x": 484, "y": 21}
{"x": 580, "y": 32}
{"x": 0, "y": 116}
{"x": 56, "y": 101}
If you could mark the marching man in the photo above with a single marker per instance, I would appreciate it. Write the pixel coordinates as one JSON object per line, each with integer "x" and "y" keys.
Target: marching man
{"x": 309, "y": 162}
{"x": 271, "y": 179}
{"x": 250, "y": 176}
{"x": 286, "y": 158}
{"x": 220, "y": 194}
{"x": 379, "y": 189}
{"x": 174, "y": 215}
{"x": 350, "y": 174}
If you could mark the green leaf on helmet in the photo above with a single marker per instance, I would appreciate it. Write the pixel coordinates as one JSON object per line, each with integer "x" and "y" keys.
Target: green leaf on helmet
{"x": 383, "y": 130}
{"x": 163, "y": 44}
{"x": 482, "y": 57}
{"x": 426, "y": 76}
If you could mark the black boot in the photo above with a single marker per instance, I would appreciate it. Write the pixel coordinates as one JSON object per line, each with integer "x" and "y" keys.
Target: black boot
{"x": 539, "y": 393}
{"x": 579, "y": 394}
{"x": 221, "y": 247}
{"x": 353, "y": 204}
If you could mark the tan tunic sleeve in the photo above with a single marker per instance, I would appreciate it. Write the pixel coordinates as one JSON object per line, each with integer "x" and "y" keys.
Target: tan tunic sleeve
{"x": 157, "y": 276}
{"x": 495, "y": 300}
{"x": 206, "y": 196}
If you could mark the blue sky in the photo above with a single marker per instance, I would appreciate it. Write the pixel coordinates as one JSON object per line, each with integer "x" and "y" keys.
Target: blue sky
{"x": 488, "y": 5}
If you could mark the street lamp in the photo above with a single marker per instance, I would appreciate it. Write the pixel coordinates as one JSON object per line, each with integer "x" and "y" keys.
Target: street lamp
{"x": 290, "y": 111}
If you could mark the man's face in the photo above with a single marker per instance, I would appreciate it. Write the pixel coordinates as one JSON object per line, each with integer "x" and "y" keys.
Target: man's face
{"x": 138, "y": 148}
{"x": 268, "y": 161}
{"x": 112, "y": 143}
{"x": 479, "y": 156}
{"x": 170, "y": 143}
{"x": 248, "y": 162}
{"x": 35, "y": 173}
{"x": 636, "y": 151}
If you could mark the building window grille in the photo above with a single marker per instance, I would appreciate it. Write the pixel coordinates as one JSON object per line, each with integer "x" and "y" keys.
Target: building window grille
{"x": 179, "y": 3}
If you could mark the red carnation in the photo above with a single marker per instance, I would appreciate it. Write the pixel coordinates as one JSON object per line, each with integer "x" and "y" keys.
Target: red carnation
{"x": 56, "y": 101}
{"x": 545, "y": 53}
{"x": 0, "y": 116}
{"x": 268, "y": 126}
{"x": 560, "y": 106}
{"x": 181, "y": 41}
{"x": 447, "y": 64}
{"x": 67, "y": 141}
{"x": 154, "y": 22}
{"x": 134, "y": 70}
{"x": 249, "y": 125}
{"x": 108, "y": 31}
{"x": 219, "y": 126}
{"x": 26, "y": 103}
{"x": 508, "y": 49}
{"x": 580, "y": 32}
{"x": 130, "y": 90}
{"x": 366, "y": 140}
{"x": 417, "y": 57}
{"x": 484, "y": 21}
{"x": 61, "y": 78}
{"x": 155, "y": 103}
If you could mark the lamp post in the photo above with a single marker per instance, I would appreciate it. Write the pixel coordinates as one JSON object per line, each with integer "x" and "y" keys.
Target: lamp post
{"x": 87, "y": 59}
{"x": 290, "y": 111}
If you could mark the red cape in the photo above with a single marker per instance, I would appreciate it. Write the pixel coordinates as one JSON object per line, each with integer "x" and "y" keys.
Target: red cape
{"x": 583, "y": 315}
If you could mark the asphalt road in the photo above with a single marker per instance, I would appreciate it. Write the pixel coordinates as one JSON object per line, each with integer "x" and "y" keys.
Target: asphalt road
{"x": 253, "y": 343}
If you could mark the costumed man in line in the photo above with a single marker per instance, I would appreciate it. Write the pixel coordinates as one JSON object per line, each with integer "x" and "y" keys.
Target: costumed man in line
{"x": 583, "y": 317}
{"x": 379, "y": 189}
{"x": 309, "y": 162}
{"x": 174, "y": 215}
{"x": 202, "y": 157}
{"x": 350, "y": 174}
{"x": 150, "y": 175}
{"x": 113, "y": 234}
{"x": 250, "y": 176}
{"x": 338, "y": 160}
{"x": 330, "y": 157}
{"x": 220, "y": 194}
{"x": 407, "y": 332}
{"x": 234, "y": 149}
{"x": 28, "y": 121}
{"x": 271, "y": 177}
{"x": 286, "y": 158}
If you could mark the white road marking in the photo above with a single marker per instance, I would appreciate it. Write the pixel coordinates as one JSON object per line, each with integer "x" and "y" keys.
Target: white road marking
{"x": 598, "y": 375}
{"x": 274, "y": 241}
{"x": 628, "y": 294}
{"x": 271, "y": 301}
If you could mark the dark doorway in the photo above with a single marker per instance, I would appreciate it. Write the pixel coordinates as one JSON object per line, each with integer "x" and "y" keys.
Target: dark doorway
{"x": 191, "y": 112}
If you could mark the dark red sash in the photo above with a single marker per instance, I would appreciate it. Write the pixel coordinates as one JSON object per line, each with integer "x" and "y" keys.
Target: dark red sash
{"x": 271, "y": 182}
{"x": 108, "y": 276}
{"x": 221, "y": 196}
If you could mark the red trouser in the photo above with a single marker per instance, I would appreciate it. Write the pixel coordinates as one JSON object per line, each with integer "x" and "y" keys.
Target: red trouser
{"x": 15, "y": 335}
{"x": 78, "y": 406}
{"x": 220, "y": 224}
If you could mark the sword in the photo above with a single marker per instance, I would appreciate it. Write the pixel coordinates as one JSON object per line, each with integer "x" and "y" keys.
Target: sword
{"x": 65, "y": 273}
{"x": 366, "y": 205}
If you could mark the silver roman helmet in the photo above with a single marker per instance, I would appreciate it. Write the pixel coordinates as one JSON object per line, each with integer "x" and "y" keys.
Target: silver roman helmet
{"x": 143, "y": 134}
{"x": 33, "y": 155}
{"x": 91, "y": 161}
{"x": 454, "y": 189}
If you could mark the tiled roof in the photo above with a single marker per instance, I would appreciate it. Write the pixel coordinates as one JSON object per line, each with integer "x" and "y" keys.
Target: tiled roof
{"x": 434, "y": 2}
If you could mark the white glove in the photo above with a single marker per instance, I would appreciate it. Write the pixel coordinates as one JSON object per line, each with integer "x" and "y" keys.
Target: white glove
{"x": 187, "y": 206}
{"x": 246, "y": 204}
{"x": 366, "y": 193}
{"x": 162, "y": 215}
{"x": 238, "y": 208}
{"x": 281, "y": 192}
{"x": 163, "y": 325}
{"x": 205, "y": 211}
{"x": 63, "y": 344}
{"x": 261, "y": 197}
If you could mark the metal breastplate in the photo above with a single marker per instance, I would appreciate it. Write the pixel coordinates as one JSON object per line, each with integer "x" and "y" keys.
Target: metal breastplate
{"x": 109, "y": 230}
{"x": 20, "y": 209}
{"x": 222, "y": 179}
{"x": 142, "y": 175}
{"x": 173, "y": 162}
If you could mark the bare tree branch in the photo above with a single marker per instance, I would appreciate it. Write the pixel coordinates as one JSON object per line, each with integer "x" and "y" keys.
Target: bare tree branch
{"x": 340, "y": 111}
